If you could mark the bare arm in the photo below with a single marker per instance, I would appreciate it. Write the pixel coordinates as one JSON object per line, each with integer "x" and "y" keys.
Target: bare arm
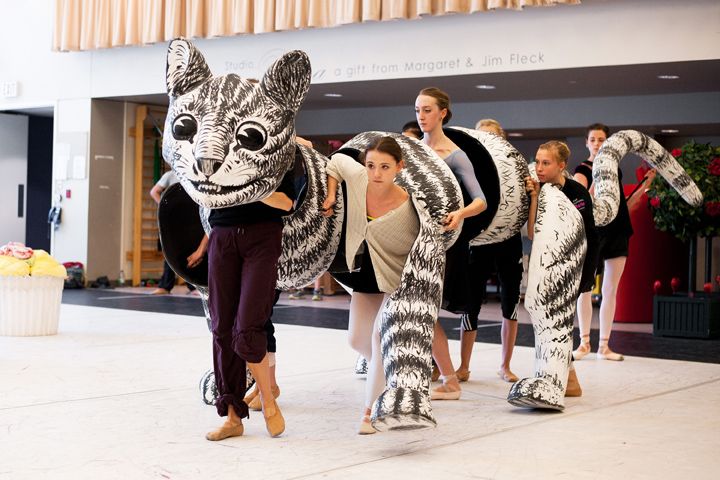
{"x": 278, "y": 200}
{"x": 633, "y": 201}
{"x": 331, "y": 199}
{"x": 196, "y": 257}
{"x": 156, "y": 192}
{"x": 581, "y": 179}
{"x": 303, "y": 142}
{"x": 476, "y": 207}
{"x": 532, "y": 187}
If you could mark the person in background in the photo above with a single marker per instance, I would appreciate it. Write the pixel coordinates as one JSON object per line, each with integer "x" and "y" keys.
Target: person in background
{"x": 506, "y": 259}
{"x": 432, "y": 110}
{"x": 490, "y": 125}
{"x": 412, "y": 129}
{"x": 614, "y": 239}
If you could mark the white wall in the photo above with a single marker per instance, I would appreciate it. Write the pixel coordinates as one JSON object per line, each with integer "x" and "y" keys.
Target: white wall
{"x": 72, "y": 127}
{"x": 595, "y": 33}
{"x": 13, "y": 164}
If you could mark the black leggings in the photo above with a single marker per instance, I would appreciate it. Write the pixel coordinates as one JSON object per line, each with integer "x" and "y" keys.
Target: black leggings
{"x": 506, "y": 256}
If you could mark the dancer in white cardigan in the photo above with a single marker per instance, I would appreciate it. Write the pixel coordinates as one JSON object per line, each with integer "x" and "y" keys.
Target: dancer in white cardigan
{"x": 382, "y": 226}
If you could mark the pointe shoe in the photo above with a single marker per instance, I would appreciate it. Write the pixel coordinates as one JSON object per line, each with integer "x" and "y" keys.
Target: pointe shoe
{"x": 604, "y": 353}
{"x": 232, "y": 427}
{"x": 256, "y": 405}
{"x": 573, "y": 385}
{"x": 444, "y": 392}
{"x": 507, "y": 376}
{"x": 462, "y": 375}
{"x": 435, "y": 374}
{"x": 581, "y": 351}
{"x": 275, "y": 424}
{"x": 160, "y": 291}
{"x": 366, "y": 427}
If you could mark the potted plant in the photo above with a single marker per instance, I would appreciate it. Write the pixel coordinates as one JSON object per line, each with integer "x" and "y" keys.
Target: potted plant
{"x": 691, "y": 314}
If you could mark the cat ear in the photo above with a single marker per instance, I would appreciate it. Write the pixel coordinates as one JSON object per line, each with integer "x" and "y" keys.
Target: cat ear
{"x": 186, "y": 68}
{"x": 288, "y": 79}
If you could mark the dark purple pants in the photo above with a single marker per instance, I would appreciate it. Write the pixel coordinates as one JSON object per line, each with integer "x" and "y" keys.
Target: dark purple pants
{"x": 242, "y": 276}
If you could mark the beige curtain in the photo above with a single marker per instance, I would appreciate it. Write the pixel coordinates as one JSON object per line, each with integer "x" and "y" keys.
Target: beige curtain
{"x": 93, "y": 24}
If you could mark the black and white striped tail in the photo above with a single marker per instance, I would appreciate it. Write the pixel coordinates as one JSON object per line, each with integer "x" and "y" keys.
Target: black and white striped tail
{"x": 556, "y": 261}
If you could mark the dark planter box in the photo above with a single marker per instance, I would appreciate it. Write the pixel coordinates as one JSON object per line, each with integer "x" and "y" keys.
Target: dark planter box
{"x": 683, "y": 316}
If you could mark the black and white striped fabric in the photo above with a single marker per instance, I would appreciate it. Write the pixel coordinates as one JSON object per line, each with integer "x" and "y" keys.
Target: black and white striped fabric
{"x": 511, "y": 170}
{"x": 558, "y": 252}
{"x": 605, "y": 172}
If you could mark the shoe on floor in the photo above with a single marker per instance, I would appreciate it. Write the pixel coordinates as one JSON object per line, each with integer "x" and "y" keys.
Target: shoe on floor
{"x": 296, "y": 295}
{"x": 507, "y": 376}
{"x": 366, "y": 427}
{"x": 160, "y": 291}
{"x": 317, "y": 295}
{"x": 275, "y": 424}
{"x": 573, "y": 385}
{"x": 604, "y": 353}
{"x": 255, "y": 404}
{"x": 444, "y": 391}
{"x": 581, "y": 351}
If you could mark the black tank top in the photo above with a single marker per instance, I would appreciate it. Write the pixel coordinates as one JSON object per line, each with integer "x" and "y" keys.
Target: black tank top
{"x": 621, "y": 224}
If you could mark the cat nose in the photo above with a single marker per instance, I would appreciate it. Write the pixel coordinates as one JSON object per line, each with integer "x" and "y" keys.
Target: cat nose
{"x": 208, "y": 166}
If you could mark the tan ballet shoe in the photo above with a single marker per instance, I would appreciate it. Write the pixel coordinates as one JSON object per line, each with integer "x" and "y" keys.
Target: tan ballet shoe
{"x": 604, "y": 353}
{"x": 232, "y": 427}
{"x": 573, "y": 385}
{"x": 507, "y": 376}
{"x": 275, "y": 423}
{"x": 462, "y": 375}
{"x": 445, "y": 391}
{"x": 255, "y": 404}
{"x": 254, "y": 393}
{"x": 366, "y": 427}
{"x": 583, "y": 349}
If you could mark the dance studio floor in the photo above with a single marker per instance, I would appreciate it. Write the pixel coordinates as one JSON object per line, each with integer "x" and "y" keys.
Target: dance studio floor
{"x": 114, "y": 395}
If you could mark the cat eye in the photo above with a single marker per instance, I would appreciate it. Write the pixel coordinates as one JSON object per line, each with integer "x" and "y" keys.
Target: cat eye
{"x": 251, "y": 136}
{"x": 184, "y": 127}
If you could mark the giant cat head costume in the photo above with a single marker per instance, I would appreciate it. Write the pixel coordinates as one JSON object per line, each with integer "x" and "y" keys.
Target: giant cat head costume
{"x": 231, "y": 141}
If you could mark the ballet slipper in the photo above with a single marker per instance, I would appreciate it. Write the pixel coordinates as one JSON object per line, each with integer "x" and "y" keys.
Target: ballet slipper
{"x": 232, "y": 427}
{"x": 573, "y": 385}
{"x": 275, "y": 423}
{"x": 446, "y": 391}
{"x": 507, "y": 376}
{"x": 582, "y": 351}
{"x": 255, "y": 404}
{"x": 604, "y": 353}
{"x": 366, "y": 427}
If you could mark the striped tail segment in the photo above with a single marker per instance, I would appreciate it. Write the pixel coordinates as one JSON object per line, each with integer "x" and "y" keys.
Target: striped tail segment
{"x": 309, "y": 240}
{"x": 512, "y": 168}
{"x": 605, "y": 172}
{"x": 558, "y": 252}
{"x": 406, "y": 334}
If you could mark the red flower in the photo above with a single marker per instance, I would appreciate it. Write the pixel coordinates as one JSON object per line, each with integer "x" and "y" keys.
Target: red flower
{"x": 655, "y": 202}
{"x": 714, "y": 167}
{"x": 676, "y": 152}
{"x": 712, "y": 208}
